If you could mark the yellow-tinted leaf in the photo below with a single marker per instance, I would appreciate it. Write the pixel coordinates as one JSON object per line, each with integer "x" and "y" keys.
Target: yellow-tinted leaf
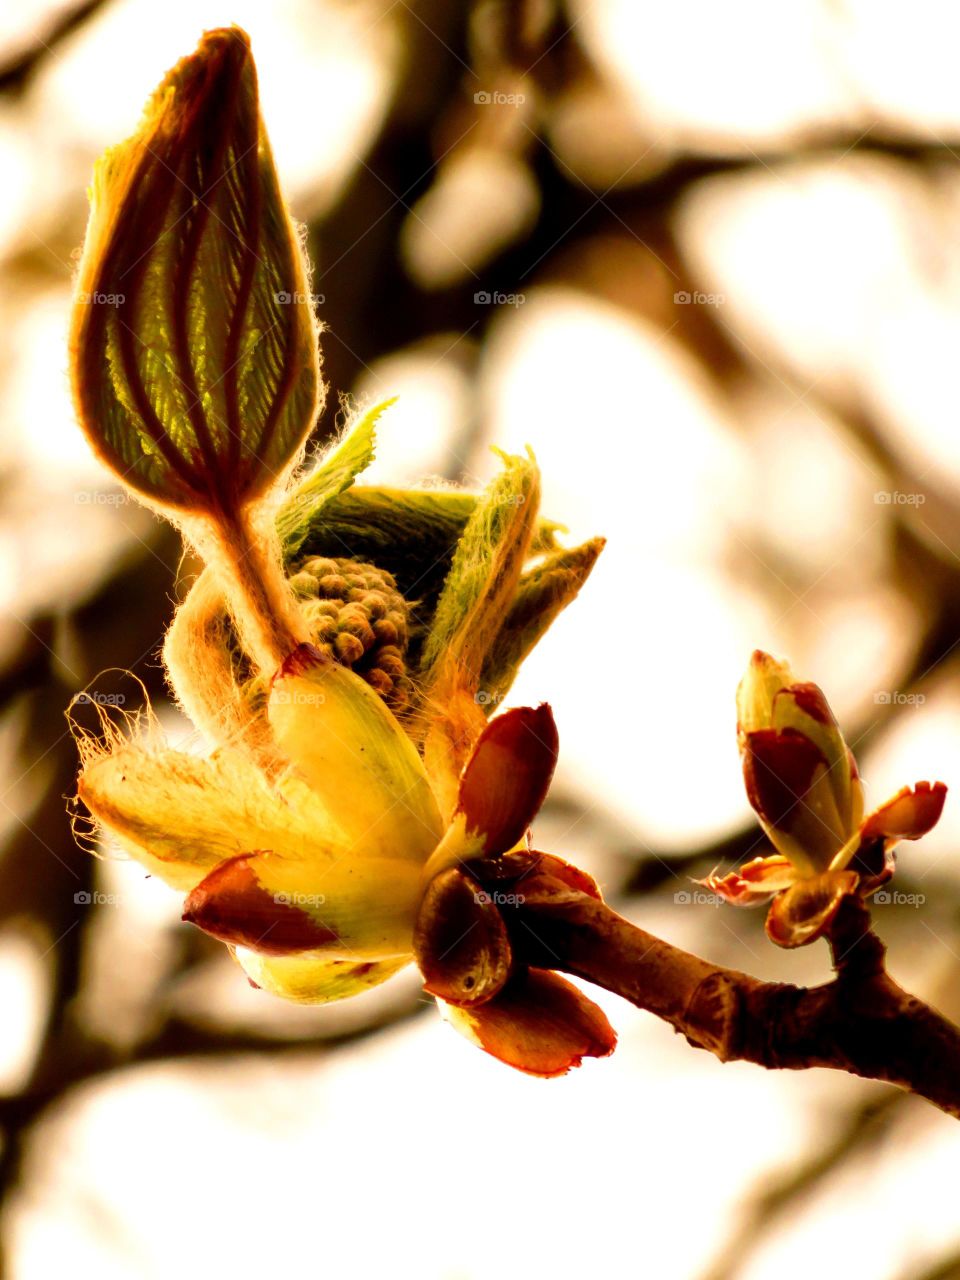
{"x": 180, "y": 816}
{"x": 343, "y": 741}
{"x": 484, "y": 574}
{"x": 543, "y": 592}
{"x": 310, "y": 978}
{"x": 336, "y": 905}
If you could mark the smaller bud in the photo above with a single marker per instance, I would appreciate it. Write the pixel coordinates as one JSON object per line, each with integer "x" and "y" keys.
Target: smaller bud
{"x": 803, "y": 784}
{"x": 800, "y": 775}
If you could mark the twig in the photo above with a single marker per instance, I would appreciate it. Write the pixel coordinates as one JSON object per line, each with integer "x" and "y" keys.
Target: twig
{"x": 861, "y": 1022}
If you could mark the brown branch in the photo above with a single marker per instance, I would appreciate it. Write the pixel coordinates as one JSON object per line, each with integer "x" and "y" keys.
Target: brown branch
{"x": 16, "y": 72}
{"x": 861, "y": 1022}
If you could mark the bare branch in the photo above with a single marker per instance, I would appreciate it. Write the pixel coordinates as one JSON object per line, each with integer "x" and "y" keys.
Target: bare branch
{"x": 861, "y": 1022}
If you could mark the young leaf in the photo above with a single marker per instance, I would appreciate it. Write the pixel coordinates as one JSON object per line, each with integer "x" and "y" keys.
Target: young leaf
{"x": 194, "y": 345}
{"x": 332, "y": 476}
{"x": 484, "y": 574}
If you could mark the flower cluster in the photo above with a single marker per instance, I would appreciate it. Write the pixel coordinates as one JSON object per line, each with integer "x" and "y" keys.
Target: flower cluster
{"x": 345, "y": 645}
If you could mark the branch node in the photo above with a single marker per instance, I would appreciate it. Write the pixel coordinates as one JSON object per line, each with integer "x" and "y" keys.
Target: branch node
{"x": 713, "y": 1017}
{"x": 858, "y": 954}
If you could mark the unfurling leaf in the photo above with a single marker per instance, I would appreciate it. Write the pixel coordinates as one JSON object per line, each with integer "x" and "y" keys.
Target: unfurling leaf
{"x": 331, "y": 477}
{"x": 194, "y": 345}
{"x": 483, "y": 577}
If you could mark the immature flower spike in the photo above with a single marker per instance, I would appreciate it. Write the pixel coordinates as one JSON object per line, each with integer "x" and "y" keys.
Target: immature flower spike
{"x": 195, "y": 361}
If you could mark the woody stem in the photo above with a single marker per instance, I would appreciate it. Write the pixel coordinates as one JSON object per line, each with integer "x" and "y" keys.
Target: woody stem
{"x": 862, "y": 1022}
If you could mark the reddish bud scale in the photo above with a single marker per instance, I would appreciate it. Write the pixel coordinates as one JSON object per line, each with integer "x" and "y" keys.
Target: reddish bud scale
{"x": 507, "y": 777}
{"x": 232, "y": 905}
{"x": 908, "y": 815}
{"x": 540, "y": 1024}
{"x": 806, "y": 910}
{"x": 809, "y": 698}
{"x": 778, "y": 769}
{"x": 460, "y": 941}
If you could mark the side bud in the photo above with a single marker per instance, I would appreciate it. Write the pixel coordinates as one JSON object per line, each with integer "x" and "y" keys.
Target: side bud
{"x": 801, "y": 777}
